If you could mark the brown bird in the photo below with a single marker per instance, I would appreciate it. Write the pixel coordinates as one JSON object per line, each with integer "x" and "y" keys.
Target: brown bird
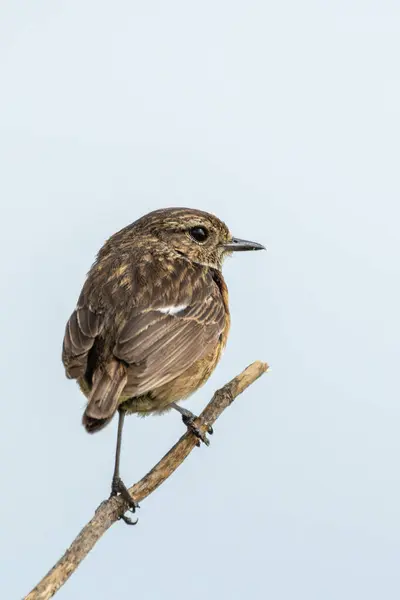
{"x": 152, "y": 319}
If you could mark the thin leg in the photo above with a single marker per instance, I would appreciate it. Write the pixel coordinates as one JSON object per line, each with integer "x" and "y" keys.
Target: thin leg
{"x": 117, "y": 485}
{"x": 116, "y": 477}
{"x": 189, "y": 419}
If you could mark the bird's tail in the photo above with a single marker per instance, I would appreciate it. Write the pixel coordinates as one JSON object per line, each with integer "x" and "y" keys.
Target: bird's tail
{"x": 108, "y": 384}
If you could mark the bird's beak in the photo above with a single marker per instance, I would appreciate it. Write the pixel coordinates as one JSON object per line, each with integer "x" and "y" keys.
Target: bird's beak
{"x": 236, "y": 245}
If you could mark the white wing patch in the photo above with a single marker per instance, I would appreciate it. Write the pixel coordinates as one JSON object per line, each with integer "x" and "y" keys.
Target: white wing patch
{"x": 172, "y": 310}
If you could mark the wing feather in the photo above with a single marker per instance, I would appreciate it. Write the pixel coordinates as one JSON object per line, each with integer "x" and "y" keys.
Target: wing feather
{"x": 163, "y": 346}
{"x": 125, "y": 312}
{"x": 81, "y": 331}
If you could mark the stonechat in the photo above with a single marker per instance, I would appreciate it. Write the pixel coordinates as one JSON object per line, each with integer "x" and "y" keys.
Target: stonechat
{"x": 152, "y": 318}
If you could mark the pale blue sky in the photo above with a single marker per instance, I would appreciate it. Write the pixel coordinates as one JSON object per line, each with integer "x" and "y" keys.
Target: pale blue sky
{"x": 283, "y": 118}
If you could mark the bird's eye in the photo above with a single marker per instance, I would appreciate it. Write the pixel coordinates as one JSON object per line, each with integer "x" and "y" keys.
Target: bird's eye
{"x": 199, "y": 234}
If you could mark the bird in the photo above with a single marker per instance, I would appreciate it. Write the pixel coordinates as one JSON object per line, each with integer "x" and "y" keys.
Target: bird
{"x": 151, "y": 321}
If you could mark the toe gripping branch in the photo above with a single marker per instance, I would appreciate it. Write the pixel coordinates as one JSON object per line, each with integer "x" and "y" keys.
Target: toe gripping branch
{"x": 118, "y": 487}
{"x": 190, "y": 422}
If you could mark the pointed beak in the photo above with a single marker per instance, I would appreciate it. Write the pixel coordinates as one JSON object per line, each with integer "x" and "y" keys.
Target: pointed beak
{"x": 238, "y": 245}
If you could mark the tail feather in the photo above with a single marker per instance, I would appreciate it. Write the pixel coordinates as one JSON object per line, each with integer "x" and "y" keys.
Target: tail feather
{"x": 94, "y": 425}
{"x": 108, "y": 384}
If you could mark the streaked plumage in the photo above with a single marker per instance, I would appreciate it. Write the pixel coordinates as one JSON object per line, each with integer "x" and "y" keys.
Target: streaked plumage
{"x": 153, "y": 317}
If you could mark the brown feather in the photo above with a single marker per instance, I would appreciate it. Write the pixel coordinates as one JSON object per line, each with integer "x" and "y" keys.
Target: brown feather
{"x": 123, "y": 345}
{"x": 159, "y": 347}
{"x": 108, "y": 384}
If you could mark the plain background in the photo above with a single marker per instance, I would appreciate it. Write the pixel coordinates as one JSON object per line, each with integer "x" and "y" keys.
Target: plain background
{"x": 283, "y": 118}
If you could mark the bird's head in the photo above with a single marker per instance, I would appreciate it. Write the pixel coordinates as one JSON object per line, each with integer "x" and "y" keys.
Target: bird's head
{"x": 196, "y": 235}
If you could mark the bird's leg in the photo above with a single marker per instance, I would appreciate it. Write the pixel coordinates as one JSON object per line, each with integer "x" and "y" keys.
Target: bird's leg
{"x": 189, "y": 419}
{"x": 117, "y": 485}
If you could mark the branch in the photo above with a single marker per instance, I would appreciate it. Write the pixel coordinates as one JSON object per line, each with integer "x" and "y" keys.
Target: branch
{"x": 109, "y": 511}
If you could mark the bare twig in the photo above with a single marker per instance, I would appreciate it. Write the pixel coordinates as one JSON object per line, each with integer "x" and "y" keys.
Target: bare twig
{"x": 109, "y": 511}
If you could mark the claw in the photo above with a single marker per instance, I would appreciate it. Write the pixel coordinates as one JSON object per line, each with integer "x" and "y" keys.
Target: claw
{"x": 190, "y": 424}
{"x": 189, "y": 419}
{"x": 118, "y": 486}
{"x": 128, "y": 520}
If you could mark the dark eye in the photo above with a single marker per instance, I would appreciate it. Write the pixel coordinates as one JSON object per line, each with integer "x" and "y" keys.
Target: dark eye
{"x": 200, "y": 234}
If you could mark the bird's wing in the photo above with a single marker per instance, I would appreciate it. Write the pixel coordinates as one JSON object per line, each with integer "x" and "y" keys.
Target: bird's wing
{"x": 162, "y": 339}
{"x": 83, "y": 327}
{"x": 158, "y": 317}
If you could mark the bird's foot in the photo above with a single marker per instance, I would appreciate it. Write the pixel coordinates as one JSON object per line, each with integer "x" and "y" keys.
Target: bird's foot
{"x": 118, "y": 487}
{"x": 190, "y": 421}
